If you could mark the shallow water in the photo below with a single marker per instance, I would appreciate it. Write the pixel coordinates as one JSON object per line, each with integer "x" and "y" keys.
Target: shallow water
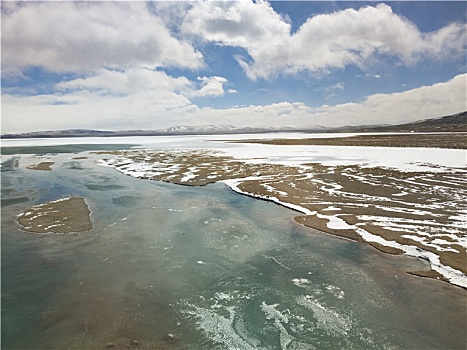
{"x": 216, "y": 269}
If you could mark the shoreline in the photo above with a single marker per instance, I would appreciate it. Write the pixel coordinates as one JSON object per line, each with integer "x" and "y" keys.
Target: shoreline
{"x": 414, "y": 140}
{"x": 438, "y": 271}
{"x": 146, "y": 232}
{"x": 342, "y": 199}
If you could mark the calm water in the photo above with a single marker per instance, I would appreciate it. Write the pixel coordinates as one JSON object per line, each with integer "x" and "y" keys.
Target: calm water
{"x": 216, "y": 269}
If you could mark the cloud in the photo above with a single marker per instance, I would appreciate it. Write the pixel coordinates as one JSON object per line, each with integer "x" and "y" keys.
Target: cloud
{"x": 337, "y": 86}
{"x": 85, "y": 109}
{"x": 126, "y": 82}
{"x": 210, "y": 87}
{"x": 424, "y": 102}
{"x": 82, "y": 36}
{"x": 235, "y": 23}
{"x": 323, "y": 43}
{"x": 260, "y": 90}
{"x": 376, "y": 76}
{"x": 82, "y": 107}
{"x": 105, "y": 99}
{"x": 275, "y": 114}
{"x": 137, "y": 97}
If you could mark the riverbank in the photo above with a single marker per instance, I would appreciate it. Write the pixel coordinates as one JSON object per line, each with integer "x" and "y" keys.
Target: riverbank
{"x": 212, "y": 268}
{"x": 415, "y": 213}
{"x": 423, "y": 140}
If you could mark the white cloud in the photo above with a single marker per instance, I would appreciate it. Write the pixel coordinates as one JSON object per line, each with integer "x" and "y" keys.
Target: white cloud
{"x": 323, "y": 42}
{"x": 337, "y": 86}
{"x": 210, "y": 87}
{"x": 425, "y": 102}
{"x": 82, "y": 36}
{"x": 125, "y": 82}
{"x": 235, "y": 23}
{"x": 140, "y": 79}
{"x": 136, "y": 98}
{"x": 84, "y": 109}
{"x": 376, "y": 76}
{"x": 153, "y": 109}
{"x": 275, "y": 114}
{"x": 117, "y": 51}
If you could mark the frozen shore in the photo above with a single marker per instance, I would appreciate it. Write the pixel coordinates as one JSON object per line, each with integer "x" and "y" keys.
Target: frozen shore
{"x": 400, "y": 200}
{"x": 418, "y": 213}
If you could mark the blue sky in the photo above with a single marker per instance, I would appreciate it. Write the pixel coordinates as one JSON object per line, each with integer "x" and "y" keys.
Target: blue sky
{"x": 152, "y": 65}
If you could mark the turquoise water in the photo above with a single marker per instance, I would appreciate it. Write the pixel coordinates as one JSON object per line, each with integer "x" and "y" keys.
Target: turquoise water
{"x": 215, "y": 269}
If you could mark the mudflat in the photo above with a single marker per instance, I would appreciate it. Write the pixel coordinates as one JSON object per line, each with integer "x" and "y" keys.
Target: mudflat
{"x": 41, "y": 166}
{"x": 395, "y": 211}
{"x": 449, "y": 140}
{"x": 61, "y": 216}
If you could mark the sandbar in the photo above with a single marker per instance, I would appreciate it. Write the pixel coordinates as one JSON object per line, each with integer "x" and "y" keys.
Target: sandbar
{"x": 41, "y": 166}
{"x": 61, "y": 216}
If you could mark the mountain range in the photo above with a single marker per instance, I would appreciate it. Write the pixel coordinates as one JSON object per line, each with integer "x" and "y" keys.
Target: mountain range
{"x": 450, "y": 123}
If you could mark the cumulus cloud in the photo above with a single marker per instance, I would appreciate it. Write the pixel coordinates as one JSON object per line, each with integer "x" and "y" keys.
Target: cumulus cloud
{"x": 275, "y": 114}
{"x": 82, "y": 36}
{"x": 425, "y": 102}
{"x": 323, "y": 42}
{"x": 210, "y": 87}
{"x": 86, "y": 109}
{"x": 75, "y": 105}
{"x": 126, "y": 82}
{"x": 111, "y": 99}
{"x": 117, "y": 53}
{"x": 236, "y": 23}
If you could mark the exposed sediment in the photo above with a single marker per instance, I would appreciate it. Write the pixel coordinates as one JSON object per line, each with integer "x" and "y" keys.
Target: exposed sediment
{"x": 430, "y": 140}
{"x": 41, "y": 166}
{"x": 61, "y": 216}
{"x": 416, "y": 213}
{"x": 429, "y": 274}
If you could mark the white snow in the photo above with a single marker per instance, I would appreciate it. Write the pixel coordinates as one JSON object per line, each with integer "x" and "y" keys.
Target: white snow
{"x": 407, "y": 159}
{"x": 403, "y": 159}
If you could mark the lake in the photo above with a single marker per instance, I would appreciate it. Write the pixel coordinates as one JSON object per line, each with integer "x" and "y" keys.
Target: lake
{"x": 178, "y": 267}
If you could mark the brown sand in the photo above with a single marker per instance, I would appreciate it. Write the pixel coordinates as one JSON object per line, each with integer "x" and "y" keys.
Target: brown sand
{"x": 64, "y": 216}
{"x": 41, "y": 166}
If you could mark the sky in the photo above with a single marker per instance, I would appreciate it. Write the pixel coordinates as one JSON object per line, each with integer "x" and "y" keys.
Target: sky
{"x": 152, "y": 65}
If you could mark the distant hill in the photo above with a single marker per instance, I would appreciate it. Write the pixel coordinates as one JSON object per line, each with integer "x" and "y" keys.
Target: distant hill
{"x": 450, "y": 123}
{"x": 175, "y": 130}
